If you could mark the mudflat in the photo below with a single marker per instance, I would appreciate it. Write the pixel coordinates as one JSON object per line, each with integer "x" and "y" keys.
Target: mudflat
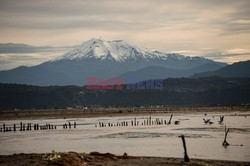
{"x": 109, "y": 112}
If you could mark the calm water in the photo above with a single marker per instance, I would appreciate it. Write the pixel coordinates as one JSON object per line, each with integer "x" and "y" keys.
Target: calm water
{"x": 203, "y": 141}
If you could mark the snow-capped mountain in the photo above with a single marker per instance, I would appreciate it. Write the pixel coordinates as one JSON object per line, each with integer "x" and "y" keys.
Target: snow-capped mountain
{"x": 107, "y": 59}
{"x": 118, "y": 50}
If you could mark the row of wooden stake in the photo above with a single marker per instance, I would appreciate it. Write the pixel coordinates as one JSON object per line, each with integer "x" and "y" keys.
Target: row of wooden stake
{"x": 29, "y": 127}
{"x": 146, "y": 122}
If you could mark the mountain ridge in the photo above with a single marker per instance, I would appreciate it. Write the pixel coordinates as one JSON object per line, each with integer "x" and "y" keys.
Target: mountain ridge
{"x": 160, "y": 72}
{"x": 102, "y": 59}
{"x": 237, "y": 69}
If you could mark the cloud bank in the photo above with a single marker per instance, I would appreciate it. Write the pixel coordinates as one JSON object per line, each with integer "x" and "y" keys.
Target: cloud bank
{"x": 194, "y": 27}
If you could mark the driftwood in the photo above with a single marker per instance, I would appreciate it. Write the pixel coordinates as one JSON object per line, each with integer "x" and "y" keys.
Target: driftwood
{"x": 225, "y": 143}
{"x": 176, "y": 122}
{"x": 186, "y": 158}
{"x": 221, "y": 119}
{"x": 207, "y": 121}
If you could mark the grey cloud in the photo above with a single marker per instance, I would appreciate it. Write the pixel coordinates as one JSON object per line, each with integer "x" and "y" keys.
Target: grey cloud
{"x": 27, "y": 49}
{"x": 79, "y": 23}
{"x": 62, "y": 8}
{"x": 4, "y": 62}
{"x": 110, "y": 14}
{"x": 220, "y": 54}
{"x": 13, "y": 55}
{"x": 9, "y": 61}
{"x": 162, "y": 24}
{"x": 22, "y": 57}
{"x": 115, "y": 15}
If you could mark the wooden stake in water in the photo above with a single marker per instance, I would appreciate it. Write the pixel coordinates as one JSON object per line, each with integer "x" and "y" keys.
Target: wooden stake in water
{"x": 21, "y": 126}
{"x": 186, "y": 158}
{"x": 4, "y": 129}
{"x": 169, "y": 122}
{"x": 225, "y": 143}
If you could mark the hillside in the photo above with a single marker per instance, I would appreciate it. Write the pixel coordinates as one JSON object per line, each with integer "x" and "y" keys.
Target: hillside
{"x": 175, "y": 92}
{"x": 239, "y": 69}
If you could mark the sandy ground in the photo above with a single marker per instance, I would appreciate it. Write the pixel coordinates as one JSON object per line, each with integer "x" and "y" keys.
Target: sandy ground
{"x": 108, "y": 112}
{"x": 107, "y": 159}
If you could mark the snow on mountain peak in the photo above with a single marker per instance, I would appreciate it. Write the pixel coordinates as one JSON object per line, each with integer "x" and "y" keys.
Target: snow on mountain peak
{"x": 117, "y": 50}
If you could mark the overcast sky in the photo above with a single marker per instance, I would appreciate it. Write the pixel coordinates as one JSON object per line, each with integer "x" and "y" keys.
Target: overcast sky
{"x": 216, "y": 29}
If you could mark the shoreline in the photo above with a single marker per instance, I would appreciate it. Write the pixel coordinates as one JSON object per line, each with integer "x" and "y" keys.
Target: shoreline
{"x": 111, "y": 112}
{"x": 110, "y": 159}
{"x": 104, "y": 159}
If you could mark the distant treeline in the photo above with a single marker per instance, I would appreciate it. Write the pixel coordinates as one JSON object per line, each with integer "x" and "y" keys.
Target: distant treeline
{"x": 208, "y": 91}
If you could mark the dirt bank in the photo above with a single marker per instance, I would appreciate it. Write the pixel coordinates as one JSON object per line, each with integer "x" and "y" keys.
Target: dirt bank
{"x": 107, "y": 159}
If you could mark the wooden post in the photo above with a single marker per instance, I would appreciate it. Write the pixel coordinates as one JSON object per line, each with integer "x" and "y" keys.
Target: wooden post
{"x": 74, "y": 124}
{"x": 21, "y": 126}
{"x": 169, "y": 122}
{"x": 186, "y": 158}
{"x": 69, "y": 125}
{"x": 221, "y": 119}
{"x": 4, "y": 127}
{"x": 225, "y": 143}
{"x": 14, "y": 127}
